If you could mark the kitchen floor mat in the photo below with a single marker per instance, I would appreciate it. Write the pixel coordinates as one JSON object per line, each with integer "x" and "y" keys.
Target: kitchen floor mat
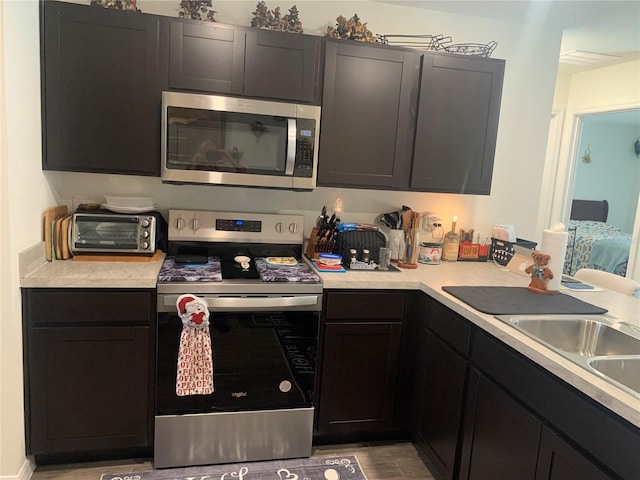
{"x": 520, "y": 301}
{"x": 318, "y": 468}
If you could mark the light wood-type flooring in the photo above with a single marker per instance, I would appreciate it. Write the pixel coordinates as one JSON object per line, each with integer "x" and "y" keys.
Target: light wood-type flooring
{"x": 379, "y": 461}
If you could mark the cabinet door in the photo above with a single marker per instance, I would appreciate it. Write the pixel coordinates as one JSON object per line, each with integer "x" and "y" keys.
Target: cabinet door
{"x": 457, "y": 124}
{"x": 560, "y": 461}
{"x": 501, "y": 438}
{"x": 282, "y": 66}
{"x": 359, "y": 376}
{"x": 441, "y": 380}
{"x": 368, "y": 116}
{"x": 101, "y": 95}
{"x": 88, "y": 388}
{"x": 206, "y": 57}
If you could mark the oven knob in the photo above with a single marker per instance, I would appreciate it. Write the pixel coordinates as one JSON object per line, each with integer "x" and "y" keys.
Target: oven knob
{"x": 293, "y": 227}
{"x": 145, "y": 245}
{"x": 145, "y": 234}
{"x": 145, "y": 223}
{"x": 195, "y": 224}
{"x": 279, "y": 227}
{"x": 180, "y": 223}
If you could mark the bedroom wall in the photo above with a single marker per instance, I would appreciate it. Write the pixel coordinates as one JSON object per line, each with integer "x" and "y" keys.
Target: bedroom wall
{"x": 614, "y": 172}
{"x": 605, "y": 89}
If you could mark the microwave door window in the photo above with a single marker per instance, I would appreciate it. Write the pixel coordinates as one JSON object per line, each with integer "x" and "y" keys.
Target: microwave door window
{"x": 226, "y": 142}
{"x": 107, "y": 235}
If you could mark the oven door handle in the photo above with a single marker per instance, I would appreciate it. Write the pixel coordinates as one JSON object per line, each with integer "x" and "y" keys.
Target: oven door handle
{"x": 249, "y": 303}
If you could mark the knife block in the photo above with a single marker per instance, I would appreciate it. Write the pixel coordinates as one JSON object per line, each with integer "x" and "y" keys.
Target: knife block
{"x": 312, "y": 245}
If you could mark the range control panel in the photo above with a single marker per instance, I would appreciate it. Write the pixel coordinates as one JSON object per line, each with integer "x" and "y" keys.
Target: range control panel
{"x": 206, "y": 226}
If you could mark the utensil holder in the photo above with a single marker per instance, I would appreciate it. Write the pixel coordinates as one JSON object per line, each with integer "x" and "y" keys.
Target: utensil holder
{"x": 410, "y": 259}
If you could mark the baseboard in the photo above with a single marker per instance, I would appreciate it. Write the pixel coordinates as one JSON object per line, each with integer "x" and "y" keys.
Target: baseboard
{"x": 25, "y": 472}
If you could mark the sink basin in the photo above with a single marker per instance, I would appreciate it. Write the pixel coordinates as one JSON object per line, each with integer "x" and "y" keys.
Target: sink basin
{"x": 580, "y": 335}
{"x": 601, "y": 344}
{"x": 624, "y": 370}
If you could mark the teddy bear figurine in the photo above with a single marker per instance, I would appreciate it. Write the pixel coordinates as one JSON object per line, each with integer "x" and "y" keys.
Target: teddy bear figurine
{"x": 540, "y": 273}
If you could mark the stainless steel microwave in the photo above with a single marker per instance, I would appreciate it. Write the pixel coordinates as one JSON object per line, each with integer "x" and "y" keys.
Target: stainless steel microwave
{"x": 106, "y": 233}
{"x": 209, "y": 139}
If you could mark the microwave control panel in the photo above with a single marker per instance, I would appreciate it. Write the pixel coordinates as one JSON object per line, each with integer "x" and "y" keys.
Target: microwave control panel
{"x": 305, "y": 139}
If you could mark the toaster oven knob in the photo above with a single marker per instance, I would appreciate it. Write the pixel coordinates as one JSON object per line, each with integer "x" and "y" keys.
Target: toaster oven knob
{"x": 145, "y": 234}
{"x": 293, "y": 227}
{"x": 145, "y": 245}
{"x": 145, "y": 223}
{"x": 179, "y": 223}
{"x": 195, "y": 224}
{"x": 279, "y": 227}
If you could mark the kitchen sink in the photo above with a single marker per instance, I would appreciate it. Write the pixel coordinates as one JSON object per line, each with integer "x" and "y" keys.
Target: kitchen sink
{"x": 624, "y": 370}
{"x": 580, "y": 335}
{"x": 600, "y": 344}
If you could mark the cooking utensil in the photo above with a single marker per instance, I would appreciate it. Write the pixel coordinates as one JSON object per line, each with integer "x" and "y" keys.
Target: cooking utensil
{"x": 243, "y": 261}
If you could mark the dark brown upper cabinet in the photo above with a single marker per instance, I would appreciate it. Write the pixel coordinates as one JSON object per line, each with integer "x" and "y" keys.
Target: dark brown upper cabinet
{"x": 225, "y": 59}
{"x": 457, "y": 124}
{"x": 205, "y": 56}
{"x": 283, "y": 66}
{"x": 368, "y": 115}
{"x": 100, "y": 90}
{"x": 378, "y": 100}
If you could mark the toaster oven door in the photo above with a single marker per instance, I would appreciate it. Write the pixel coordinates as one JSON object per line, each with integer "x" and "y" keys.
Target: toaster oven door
{"x": 104, "y": 234}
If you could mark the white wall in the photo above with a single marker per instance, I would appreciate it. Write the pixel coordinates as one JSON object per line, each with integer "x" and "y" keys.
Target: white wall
{"x": 24, "y": 194}
{"x": 531, "y": 53}
{"x": 521, "y": 137}
{"x": 614, "y": 171}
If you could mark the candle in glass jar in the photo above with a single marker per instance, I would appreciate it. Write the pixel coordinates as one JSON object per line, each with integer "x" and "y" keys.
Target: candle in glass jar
{"x": 451, "y": 243}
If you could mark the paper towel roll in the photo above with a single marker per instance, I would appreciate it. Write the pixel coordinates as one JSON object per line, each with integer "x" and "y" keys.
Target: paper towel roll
{"x": 554, "y": 243}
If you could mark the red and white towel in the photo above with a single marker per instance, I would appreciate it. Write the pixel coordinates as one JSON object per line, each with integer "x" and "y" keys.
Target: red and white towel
{"x": 195, "y": 359}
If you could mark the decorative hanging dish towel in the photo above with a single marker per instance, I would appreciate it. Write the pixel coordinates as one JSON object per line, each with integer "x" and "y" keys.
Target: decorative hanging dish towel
{"x": 195, "y": 359}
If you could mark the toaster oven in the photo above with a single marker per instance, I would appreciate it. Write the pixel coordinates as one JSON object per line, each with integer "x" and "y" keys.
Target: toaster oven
{"x": 106, "y": 233}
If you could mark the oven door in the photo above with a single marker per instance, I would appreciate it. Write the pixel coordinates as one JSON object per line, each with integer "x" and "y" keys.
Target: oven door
{"x": 262, "y": 360}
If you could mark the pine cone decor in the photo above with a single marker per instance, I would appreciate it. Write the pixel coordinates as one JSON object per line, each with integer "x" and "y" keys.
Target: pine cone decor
{"x": 351, "y": 29}
{"x": 263, "y": 17}
{"x": 197, "y": 10}
{"x": 116, "y": 4}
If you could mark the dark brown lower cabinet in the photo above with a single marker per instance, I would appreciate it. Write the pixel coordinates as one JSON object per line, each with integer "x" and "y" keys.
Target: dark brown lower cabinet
{"x": 89, "y": 388}
{"x": 360, "y": 363}
{"x": 89, "y": 363}
{"x": 501, "y": 437}
{"x": 439, "y": 385}
{"x": 558, "y": 460}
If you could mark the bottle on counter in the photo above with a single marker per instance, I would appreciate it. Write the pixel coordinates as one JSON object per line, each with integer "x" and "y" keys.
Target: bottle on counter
{"x": 365, "y": 255}
{"x": 451, "y": 243}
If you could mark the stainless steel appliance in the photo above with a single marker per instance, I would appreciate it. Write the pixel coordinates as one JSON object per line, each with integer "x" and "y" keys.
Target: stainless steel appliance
{"x": 263, "y": 330}
{"x": 113, "y": 233}
{"x": 219, "y": 140}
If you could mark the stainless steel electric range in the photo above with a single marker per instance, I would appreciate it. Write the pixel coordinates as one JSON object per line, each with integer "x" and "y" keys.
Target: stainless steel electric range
{"x": 263, "y": 329}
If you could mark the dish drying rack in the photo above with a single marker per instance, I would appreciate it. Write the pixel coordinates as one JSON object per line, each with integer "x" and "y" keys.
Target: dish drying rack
{"x": 423, "y": 42}
{"x": 438, "y": 43}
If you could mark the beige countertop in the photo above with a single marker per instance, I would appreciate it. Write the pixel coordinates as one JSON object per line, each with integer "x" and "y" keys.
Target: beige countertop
{"x": 36, "y": 273}
{"x": 431, "y": 278}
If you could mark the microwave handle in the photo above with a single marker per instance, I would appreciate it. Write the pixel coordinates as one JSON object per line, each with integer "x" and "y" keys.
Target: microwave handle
{"x": 292, "y": 136}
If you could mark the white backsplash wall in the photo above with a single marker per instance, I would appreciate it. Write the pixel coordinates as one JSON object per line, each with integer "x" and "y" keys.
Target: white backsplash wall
{"x": 522, "y": 132}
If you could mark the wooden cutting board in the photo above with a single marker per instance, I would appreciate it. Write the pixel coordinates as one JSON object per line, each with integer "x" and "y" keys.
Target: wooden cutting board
{"x": 108, "y": 257}
{"x": 48, "y": 225}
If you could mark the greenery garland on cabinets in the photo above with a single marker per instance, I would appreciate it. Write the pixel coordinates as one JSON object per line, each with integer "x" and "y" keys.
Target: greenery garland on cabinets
{"x": 116, "y": 4}
{"x": 351, "y": 29}
{"x": 198, "y": 10}
{"x": 263, "y": 17}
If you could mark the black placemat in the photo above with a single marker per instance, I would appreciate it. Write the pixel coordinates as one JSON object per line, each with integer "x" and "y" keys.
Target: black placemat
{"x": 519, "y": 301}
